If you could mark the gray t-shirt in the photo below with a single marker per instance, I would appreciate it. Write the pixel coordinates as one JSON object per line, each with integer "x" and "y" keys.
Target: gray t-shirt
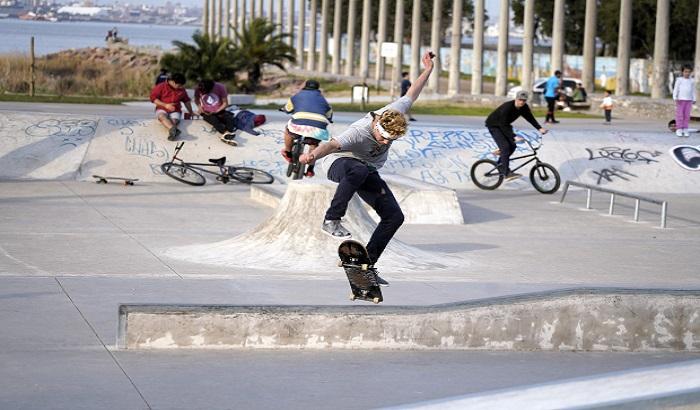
{"x": 358, "y": 142}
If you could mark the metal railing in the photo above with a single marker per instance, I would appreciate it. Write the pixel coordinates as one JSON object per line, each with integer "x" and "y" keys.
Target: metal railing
{"x": 613, "y": 193}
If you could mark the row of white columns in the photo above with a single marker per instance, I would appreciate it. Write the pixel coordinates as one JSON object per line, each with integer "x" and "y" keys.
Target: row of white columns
{"x": 216, "y": 15}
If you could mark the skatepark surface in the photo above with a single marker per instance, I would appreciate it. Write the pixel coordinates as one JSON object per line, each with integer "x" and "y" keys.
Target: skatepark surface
{"x": 71, "y": 251}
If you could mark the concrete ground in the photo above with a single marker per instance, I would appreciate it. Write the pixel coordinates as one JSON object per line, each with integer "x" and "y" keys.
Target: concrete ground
{"x": 71, "y": 251}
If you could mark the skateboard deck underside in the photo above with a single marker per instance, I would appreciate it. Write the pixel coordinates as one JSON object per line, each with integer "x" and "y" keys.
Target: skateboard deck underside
{"x": 355, "y": 262}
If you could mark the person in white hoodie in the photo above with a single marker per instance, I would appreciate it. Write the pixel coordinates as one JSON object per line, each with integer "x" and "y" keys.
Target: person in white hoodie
{"x": 684, "y": 96}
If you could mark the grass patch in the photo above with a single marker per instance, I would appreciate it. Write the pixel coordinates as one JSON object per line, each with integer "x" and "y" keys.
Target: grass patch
{"x": 72, "y": 99}
{"x": 442, "y": 109}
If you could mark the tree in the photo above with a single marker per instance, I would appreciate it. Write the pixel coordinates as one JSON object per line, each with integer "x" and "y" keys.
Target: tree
{"x": 258, "y": 45}
{"x": 574, "y": 21}
{"x": 208, "y": 57}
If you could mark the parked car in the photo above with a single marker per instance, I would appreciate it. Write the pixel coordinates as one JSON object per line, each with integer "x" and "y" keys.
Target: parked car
{"x": 568, "y": 85}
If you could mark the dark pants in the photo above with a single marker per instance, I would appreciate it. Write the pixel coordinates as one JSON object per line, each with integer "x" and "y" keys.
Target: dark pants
{"x": 223, "y": 121}
{"x": 506, "y": 143}
{"x": 608, "y": 115}
{"x": 551, "y": 106}
{"x": 353, "y": 176}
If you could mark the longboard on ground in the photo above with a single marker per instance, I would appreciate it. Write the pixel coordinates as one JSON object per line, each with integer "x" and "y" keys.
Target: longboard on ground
{"x": 363, "y": 280}
{"x": 104, "y": 180}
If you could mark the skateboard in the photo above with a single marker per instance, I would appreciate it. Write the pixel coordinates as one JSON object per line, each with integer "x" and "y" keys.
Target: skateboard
{"x": 363, "y": 281}
{"x": 103, "y": 180}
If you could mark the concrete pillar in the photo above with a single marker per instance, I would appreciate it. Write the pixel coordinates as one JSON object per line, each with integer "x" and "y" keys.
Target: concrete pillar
{"x": 624, "y": 45}
{"x": 259, "y": 13}
{"x": 659, "y": 88}
{"x": 233, "y": 20}
{"x": 242, "y": 14}
{"x": 588, "y": 74}
{"x": 205, "y": 17}
{"x": 279, "y": 18}
{"x": 290, "y": 22}
{"x": 337, "y": 21}
{"x": 301, "y": 28}
{"x": 502, "y": 65}
{"x": 323, "y": 57}
{"x": 223, "y": 17}
{"x": 558, "y": 36}
{"x": 253, "y": 8}
{"x": 435, "y": 43}
{"x": 415, "y": 40}
{"x": 398, "y": 39}
{"x": 364, "y": 39}
{"x": 220, "y": 19}
{"x": 478, "y": 49}
{"x": 213, "y": 17}
{"x": 350, "y": 64}
{"x": 528, "y": 45}
{"x": 456, "y": 46}
{"x": 381, "y": 37}
{"x": 270, "y": 9}
{"x": 313, "y": 18}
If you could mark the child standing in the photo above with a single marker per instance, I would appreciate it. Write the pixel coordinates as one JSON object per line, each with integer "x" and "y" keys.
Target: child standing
{"x": 684, "y": 96}
{"x": 607, "y": 106}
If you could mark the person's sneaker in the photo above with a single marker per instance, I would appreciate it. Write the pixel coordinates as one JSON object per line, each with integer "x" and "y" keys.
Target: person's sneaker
{"x": 229, "y": 138}
{"x": 686, "y": 133}
{"x": 380, "y": 281}
{"x": 411, "y": 119}
{"x": 513, "y": 176}
{"x": 335, "y": 229}
{"x": 173, "y": 133}
{"x": 287, "y": 155}
{"x": 555, "y": 122}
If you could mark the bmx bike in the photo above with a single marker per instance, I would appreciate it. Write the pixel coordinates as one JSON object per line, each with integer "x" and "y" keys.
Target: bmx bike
{"x": 296, "y": 168}
{"x": 543, "y": 176}
{"x": 192, "y": 173}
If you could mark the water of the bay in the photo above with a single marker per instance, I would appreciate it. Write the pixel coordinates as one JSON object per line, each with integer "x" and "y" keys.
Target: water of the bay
{"x": 50, "y": 37}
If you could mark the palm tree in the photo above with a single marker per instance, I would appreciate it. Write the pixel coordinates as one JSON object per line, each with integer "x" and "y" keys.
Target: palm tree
{"x": 212, "y": 58}
{"x": 259, "y": 45}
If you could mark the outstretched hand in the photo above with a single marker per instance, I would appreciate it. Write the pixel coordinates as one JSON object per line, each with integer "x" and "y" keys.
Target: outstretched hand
{"x": 428, "y": 62}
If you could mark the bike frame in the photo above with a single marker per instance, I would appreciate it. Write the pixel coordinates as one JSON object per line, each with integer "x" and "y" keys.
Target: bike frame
{"x": 199, "y": 166}
{"x": 533, "y": 154}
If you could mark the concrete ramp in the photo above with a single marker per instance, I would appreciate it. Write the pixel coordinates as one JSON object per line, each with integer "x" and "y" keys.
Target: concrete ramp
{"x": 292, "y": 240}
{"x": 44, "y": 146}
{"x": 570, "y": 320}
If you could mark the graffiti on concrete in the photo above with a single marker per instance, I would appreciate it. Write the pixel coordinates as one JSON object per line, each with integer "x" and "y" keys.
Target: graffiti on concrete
{"x": 609, "y": 174}
{"x": 126, "y": 126}
{"x": 686, "y": 156}
{"x": 68, "y": 131}
{"x": 145, "y": 147}
{"x": 623, "y": 154}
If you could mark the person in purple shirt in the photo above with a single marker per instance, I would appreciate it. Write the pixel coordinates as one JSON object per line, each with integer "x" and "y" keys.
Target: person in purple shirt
{"x": 211, "y": 99}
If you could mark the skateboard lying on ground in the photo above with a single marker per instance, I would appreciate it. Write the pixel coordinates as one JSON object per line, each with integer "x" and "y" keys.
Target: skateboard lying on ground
{"x": 103, "y": 180}
{"x": 363, "y": 280}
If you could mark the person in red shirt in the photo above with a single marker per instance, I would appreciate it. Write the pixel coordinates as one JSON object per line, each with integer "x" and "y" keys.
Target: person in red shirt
{"x": 167, "y": 96}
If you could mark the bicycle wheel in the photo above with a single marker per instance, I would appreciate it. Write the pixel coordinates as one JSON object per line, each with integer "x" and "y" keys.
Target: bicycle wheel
{"x": 485, "y": 174}
{"x": 545, "y": 178}
{"x": 251, "y": 175}
{"x": 183, "y": 173}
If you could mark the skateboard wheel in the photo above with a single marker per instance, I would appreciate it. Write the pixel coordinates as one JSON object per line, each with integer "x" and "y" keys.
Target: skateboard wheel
{"x": 376, "y": 301}
{"x": 364, "y": 266}
{"x": 352, "y": 296}
{"x": 340, "y": 264}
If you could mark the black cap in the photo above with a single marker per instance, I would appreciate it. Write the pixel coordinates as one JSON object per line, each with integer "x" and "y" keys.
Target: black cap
{"x": 312, "y": 85}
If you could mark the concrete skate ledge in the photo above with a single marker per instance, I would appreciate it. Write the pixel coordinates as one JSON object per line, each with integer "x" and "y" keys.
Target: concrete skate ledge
{"x": 591, "y": 319}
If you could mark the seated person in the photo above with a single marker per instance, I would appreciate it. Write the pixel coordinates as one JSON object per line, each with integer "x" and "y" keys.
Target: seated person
{"x": 311, "y": 115}
{"x": 212, "y": 100}
{"x": 167, "y": 96}
{"x": 580, "y": 94}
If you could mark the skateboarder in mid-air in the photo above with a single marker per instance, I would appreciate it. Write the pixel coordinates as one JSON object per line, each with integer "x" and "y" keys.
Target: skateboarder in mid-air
{"x": 353, "y": 159}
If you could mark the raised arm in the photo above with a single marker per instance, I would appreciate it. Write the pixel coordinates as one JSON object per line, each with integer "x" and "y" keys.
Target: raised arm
{"x": 422, "y": 79}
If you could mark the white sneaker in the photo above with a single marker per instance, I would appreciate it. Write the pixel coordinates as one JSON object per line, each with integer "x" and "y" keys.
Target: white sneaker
{"x": 679, "y": 132}
{"x": 685, "y": 132}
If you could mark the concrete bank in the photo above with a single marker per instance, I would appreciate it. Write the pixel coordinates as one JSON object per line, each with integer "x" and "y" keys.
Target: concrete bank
{"x": 569, "y": 320}
{"x": 61, "y": 146}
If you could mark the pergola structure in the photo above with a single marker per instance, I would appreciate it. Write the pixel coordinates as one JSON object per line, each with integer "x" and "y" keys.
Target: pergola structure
{"x": 302, "y": 18}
